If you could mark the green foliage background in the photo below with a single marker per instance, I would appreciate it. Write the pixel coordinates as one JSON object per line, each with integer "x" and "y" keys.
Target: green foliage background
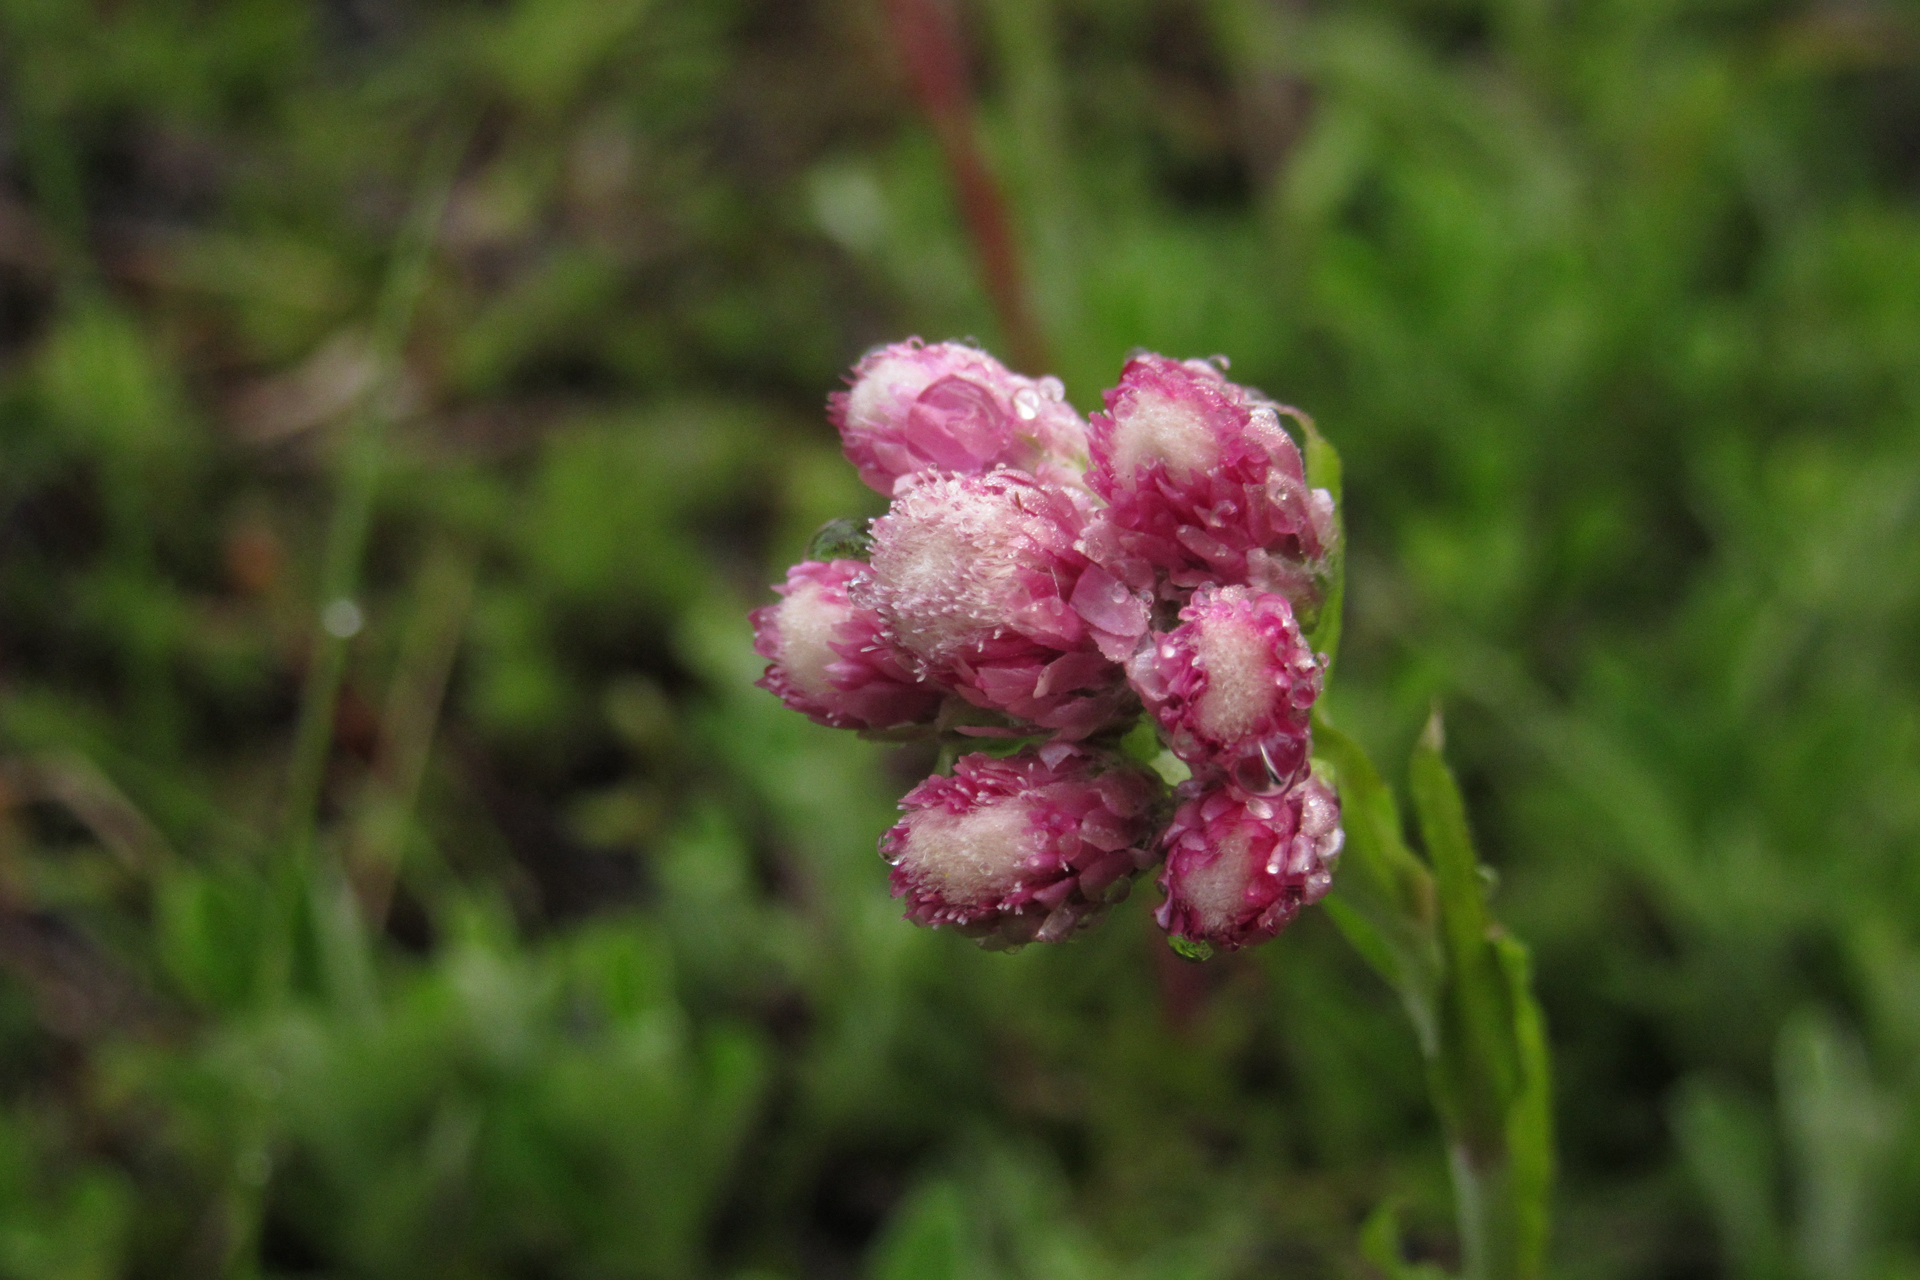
{"x": 589, "y": 969}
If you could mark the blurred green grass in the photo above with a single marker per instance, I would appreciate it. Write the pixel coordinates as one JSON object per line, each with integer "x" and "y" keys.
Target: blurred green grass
{"x": 1613, "y": 310}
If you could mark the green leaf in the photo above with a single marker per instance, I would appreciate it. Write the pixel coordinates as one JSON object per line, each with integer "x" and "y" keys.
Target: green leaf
{"x": 1491, "y": 1081}
{"x": 1530, "y": 1114}
{"x": 841, "y": 539}
{"x": 1383, "y": 897}
{"x": 1189, "y": 948}
{"x": 1380, "y": 1245}
{"x": 1486, "y": 1067}
{"x": 1141, "y": 744}
{"x": 1323, "y": 472}
{"x": 1375, "y": 846}
{"x": 1728, "y": 1143}
{"x": 928, "y": 1238}
{"x": 1841, "y": 1129}
{"x": 997, "y": 748}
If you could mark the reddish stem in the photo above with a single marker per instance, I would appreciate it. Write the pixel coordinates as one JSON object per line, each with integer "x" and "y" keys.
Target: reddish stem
{"x": 930, "y": 45}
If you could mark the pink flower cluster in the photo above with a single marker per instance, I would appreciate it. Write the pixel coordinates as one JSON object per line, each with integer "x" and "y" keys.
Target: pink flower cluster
{"x": 1042, "y": 582}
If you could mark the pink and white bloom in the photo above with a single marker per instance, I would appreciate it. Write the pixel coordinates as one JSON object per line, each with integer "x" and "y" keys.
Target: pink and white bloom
{"x": 1240, "y": 867}
{"x": 1233, "y": 687}
{"x": 1045, "y": 578}
{"x": 952, "y": 407}
{"x": 1203, "y": 485}
{"x": 829, "y": 657}
{"x": 1029, "y": 848}
{"x": 975, "y": 577}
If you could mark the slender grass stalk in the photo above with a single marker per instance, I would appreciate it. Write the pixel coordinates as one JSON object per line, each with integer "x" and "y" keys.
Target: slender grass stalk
{"x": 441, "y": 598}
{"x": 362, "y": 455}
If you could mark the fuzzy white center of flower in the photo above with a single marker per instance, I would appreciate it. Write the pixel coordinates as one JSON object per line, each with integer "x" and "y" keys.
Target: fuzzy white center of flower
{"x": 884, "y": 390}
{"x": 947, "y": 563}
{"x": 1240, "y": 688}
{"x": 1153, "y": 429}
{"x": 1218, "y": 891}
{"x": 808, "y": 618}
{"x": 970, "y": 858}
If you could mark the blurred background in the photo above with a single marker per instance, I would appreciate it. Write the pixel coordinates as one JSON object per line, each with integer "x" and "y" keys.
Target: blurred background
{"x": 496, "y": 926}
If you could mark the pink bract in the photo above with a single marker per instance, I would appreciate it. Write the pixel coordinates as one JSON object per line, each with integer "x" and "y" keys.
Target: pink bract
{"x": 1029, "y": 848}
{"x": 976, "y": 577}
{"x": 829, "y": 657}
{"x": 1233, "y": 687}
{"x": 952, "y": 407}
{"x": 1240, "y": 867}
{"x": 1203, "y": 486}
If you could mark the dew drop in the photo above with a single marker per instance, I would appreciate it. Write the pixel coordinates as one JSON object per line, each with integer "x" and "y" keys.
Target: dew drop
{"x": 342, "y": 619}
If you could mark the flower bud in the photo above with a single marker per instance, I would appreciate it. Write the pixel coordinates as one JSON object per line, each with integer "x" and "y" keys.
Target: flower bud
{"x": 1029, "y": 848}
{"x": 829, "y": 657}
{"x": 951, "y": 407}
{"x": 1240, "y": 867}
{"x": 974, "y": 576}
{"x": 1203, "y": 485}
{"x": 1233, "y": 686}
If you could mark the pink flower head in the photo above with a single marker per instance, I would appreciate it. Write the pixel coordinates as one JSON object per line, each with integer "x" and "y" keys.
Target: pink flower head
{"x": 1233, "y": 686}
{"x": 1240, "y": 867}
{"x": 1027, "y": 848}
{"x": 975, "y": 577}
{"x": 829, "y": 658}
{"x": 1203, "y": 483}
{"x": 952, "y": 407}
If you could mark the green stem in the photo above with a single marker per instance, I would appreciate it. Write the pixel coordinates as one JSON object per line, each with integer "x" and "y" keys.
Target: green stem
{"x": 1484, "y": 1210}
{"x": 1425, "y": 927}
